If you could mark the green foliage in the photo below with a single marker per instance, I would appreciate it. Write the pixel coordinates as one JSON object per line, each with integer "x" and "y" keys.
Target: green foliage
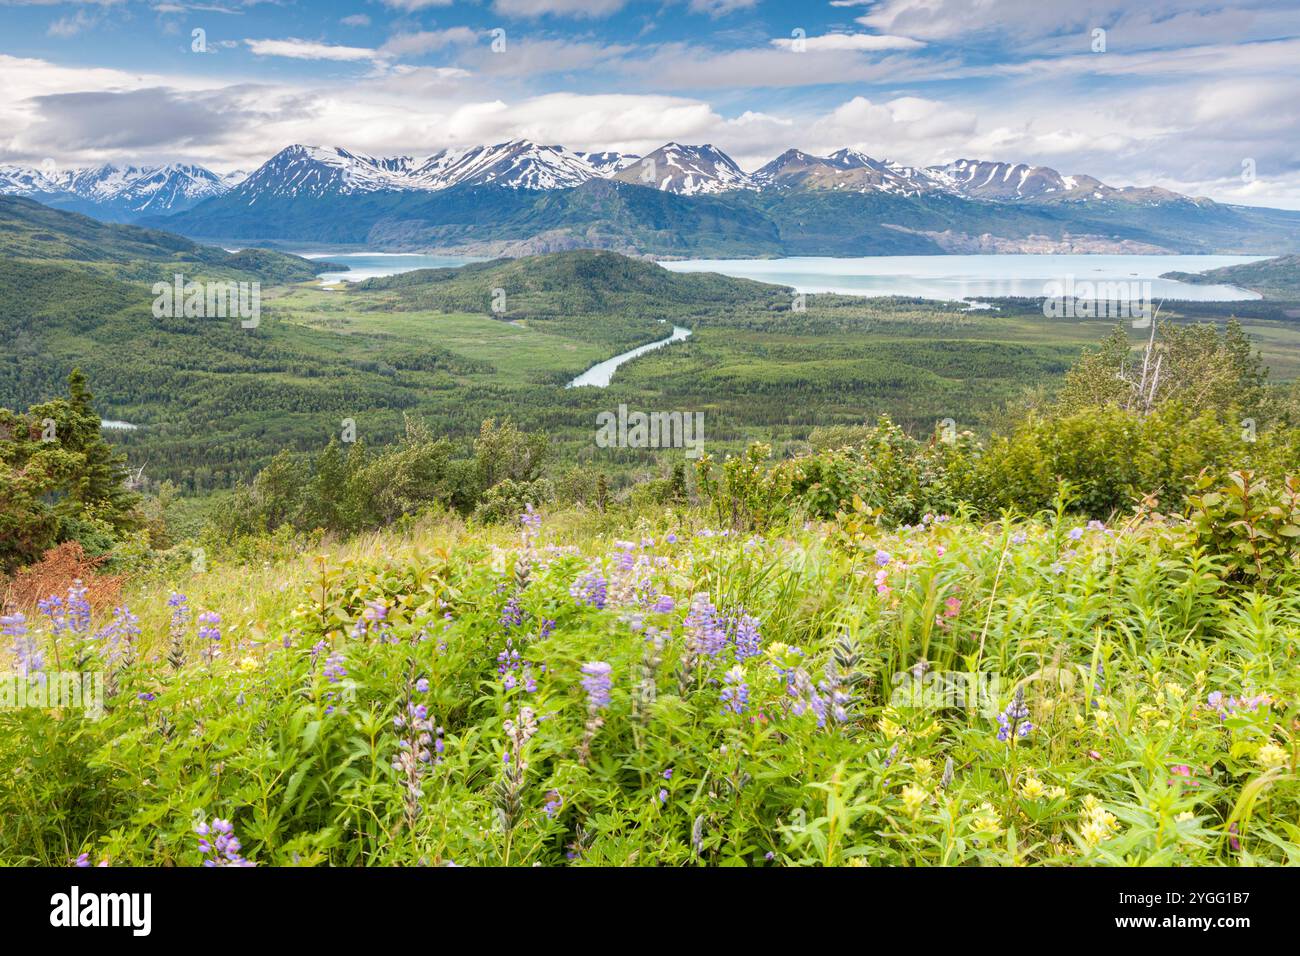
{"x": 1252, "y": 524}
{"x": 504, "y": 502}
{"x": 1112, "y": 458}
{"x": 1163, "y": 711}
{"x": 59, "y": 480}
{"x": 897, "y": 477}
{"x": 1194, "y": 366}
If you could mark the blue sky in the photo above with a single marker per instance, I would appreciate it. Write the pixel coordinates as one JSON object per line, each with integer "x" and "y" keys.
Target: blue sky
{"x": 1180, "y": 93}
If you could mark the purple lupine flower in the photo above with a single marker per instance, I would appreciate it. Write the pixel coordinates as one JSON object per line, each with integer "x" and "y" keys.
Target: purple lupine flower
{"x": 208, "y": 629}
{"x": 1234, "y": 705}
{"x": 179, "y": 604}
{"x": 416, "y": 749}
{"x": 590, "y": 589}
{"x": 121, "y": 632}
{"x": 1076, "y": 534}
{"x": 664, "y": 604}
{"x": 334, "y": 670}
{"x": 626, "y": 560}
{"x": 882, "y": 558}
{"x": 512, "y": 614}
{"x": 530, "y": 520}
{"x": 422, "y": 685}
{"x": 891, "y": 756}
{"x": 1019, "y": 538}
{"x": 746, "y": 637}
{"x": 30, "y": 659}
{"x": 596, "y": 682}
{"x": 545, "y": 631}
{"x": 735, "y": 692}
{"x": 52, "y": 607}
{"x": 1014, "y": 721}
{"x": 705, "y": 632}
{"x": 223, "y": 849}
{"x": 514, "y": 671}
{"x": 77, "y": 608}
{"x": 373, "y": 618}
{"x": 553, "y": 803}
{"x": 663, "y": 796}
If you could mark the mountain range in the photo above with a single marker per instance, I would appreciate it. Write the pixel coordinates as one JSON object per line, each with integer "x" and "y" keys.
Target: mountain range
{"x": 520, "y": 197}
{"x": 118, "y": 193}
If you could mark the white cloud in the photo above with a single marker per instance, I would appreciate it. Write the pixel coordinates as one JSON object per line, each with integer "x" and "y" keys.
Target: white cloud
{"x": 862, "y": 42}
{"x": 414, "y": 44}
{"x": 531, "y": 9}
{"x": 70, "y": 26}
{"x": 718, "y": 8}
{"x": 310, "y": 50}
{"x": 1195, "y": 115}
{"x": 411, "y": 6}
{"x": 356, "y": 20}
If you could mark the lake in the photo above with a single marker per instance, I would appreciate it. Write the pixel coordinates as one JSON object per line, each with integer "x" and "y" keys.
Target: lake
{"x": 952, "y": 278}
{"x": 376, "y": 265}
{"x": 947, "y": 278}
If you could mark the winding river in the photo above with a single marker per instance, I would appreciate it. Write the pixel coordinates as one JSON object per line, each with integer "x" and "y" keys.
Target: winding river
{"x": 599, "y": 375}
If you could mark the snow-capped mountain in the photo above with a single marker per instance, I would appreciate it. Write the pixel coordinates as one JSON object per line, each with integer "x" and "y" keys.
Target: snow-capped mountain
{"x": 171, "y": 187}
{"x": 313, "y": 171}
{"x": 1010, "y": 182}
{"x": 299, "y": 171}
{"x": 687, "y": 170}
{"x": 607, "y": 163}
{"x": 24, "y": 181}
{"x": 845, "y": 169}
{"x": 517, "y": 164}
{"x": 118, "y": 191}
{"x": 316, "y": 172}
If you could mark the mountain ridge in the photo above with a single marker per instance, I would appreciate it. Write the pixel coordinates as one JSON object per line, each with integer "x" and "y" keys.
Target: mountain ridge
{"x": 521, "y": 198}
{"x": 301, "y": 169}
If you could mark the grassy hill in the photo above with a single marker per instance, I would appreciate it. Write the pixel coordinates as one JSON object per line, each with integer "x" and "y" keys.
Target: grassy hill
{"x": 30, "y": 231}
{"x": 1277, "y": 278}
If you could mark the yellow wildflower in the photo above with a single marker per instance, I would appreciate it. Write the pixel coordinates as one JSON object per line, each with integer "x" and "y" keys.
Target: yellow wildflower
{"x": 913, "y": 799}
{"x": 985, "y": 820}
{"x": 1270, "y": 755}
{"x": 1099, "y": 824}
{"x": 1032, "y": 788}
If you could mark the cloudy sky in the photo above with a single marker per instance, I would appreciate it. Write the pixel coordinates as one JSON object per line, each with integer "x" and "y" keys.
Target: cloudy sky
{"x": 1184, "y": 94}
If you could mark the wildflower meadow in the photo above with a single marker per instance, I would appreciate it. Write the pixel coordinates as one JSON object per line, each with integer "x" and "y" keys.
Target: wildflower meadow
{"x": 561, "y": 692}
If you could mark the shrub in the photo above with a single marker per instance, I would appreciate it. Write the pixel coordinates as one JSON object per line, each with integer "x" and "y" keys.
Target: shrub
{"x": 1252, "y": 524}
